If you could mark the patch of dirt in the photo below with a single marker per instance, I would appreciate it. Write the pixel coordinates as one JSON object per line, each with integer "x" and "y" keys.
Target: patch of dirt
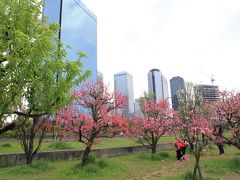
{"x": 231, "y": 177}
{"x": 176, "y": 168}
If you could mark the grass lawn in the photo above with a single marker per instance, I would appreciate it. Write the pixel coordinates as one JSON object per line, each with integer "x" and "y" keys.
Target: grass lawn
{"x": 14, "y": 146}
{"x": 136, "y": 166}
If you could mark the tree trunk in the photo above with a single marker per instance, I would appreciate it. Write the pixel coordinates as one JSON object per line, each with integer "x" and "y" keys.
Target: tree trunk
{"x": 154, "y": 148}
{"x": 197, "y": 168}
{"x": 191, "y": 146}
{"x": 85, "y": 158}
{"x": 154, "y": 144}
{"x": 199, "y": 172}
{"x": 29, "y": 158}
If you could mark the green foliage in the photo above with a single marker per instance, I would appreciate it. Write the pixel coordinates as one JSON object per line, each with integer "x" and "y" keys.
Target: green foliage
{"x": 92, "y": 158}
{"x": 40, "y": 165}
{"x": 160, "y": 156}
{"x": 36, "y": 168}
{"x": 211, "y": 147}
{"x": 91, "y": 168}
{"x": 236, "y": 164}
{"x": 5, "y": 145}
{"x": 95, "y": 164}
{"x": 188, "y": 176}
{"x": 129, "y": 167}
{"x": 60, "y": 145}
{"x": 33, "y": 64}
{"x": 102, "y": 163}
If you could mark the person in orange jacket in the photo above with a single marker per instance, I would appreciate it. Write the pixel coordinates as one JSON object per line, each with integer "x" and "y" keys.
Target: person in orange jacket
{"x": 180, "y": 149}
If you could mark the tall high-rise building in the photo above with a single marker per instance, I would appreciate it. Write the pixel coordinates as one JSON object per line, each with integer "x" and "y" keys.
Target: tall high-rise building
{"x": 123, "y": 83}
{"x": 137, "y": 108}
{"x": 209, "y": 93}
{"x": 176, "y": 84}
{"x": 78, "y": 29}
{"x": 100, "y": 76}
{"x": 157, "y": 84}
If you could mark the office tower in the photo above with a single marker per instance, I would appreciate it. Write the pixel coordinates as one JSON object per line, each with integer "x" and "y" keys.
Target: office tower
{"x": 157, "y": 85}
{"x": 78, "y": 29}
{"x": 176, "y": 84}
{"x": 100, "y": 76}
{"x": 137, "y": 108}
{"x": 123, "y": 83}
{"x": 209, "y": 93}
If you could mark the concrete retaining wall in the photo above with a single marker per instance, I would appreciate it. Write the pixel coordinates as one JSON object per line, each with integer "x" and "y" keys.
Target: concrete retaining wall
{"x": 19, "y": 158}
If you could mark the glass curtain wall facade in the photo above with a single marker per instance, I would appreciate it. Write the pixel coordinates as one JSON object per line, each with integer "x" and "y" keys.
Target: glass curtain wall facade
{"x": 78, "y": 29}
{"x": 157, "y": 85}
{"x": 123, "y": 83}
{"x": 176, "y": 83}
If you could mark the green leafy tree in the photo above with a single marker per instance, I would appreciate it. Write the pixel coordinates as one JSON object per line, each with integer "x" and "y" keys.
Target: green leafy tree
{"x": 35, "y": 75}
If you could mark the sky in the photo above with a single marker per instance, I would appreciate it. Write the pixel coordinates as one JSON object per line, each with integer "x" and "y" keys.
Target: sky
{"x": 188, "y": 38}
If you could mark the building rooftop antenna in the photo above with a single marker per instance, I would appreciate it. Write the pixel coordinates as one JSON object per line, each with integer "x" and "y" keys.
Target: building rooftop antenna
{"x": 212, "y": 79}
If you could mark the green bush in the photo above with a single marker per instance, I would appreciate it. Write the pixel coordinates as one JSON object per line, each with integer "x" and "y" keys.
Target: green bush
{"x": 102, "y": 163}
{"x": 160, "y": 156}
{"x": 60, "y": 145}
{"x": 6, "y": 145}
{"x": 164, "y": 154}
{"x": 92, "y": 158}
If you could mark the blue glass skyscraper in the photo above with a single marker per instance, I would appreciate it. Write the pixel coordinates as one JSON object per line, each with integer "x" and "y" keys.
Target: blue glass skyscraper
{"x": 177, "y": 84}
{"x": 78, "y": 29}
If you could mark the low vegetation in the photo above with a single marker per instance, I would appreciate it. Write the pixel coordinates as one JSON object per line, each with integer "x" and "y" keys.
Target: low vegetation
{"x": 137, "y": 166}
{"x": 14, "y": 146}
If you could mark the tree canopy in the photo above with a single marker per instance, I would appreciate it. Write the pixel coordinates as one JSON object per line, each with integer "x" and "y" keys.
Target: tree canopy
{"x": 35, "y": 75}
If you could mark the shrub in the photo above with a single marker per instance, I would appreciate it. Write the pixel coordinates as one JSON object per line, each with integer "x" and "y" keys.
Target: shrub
{"x": 102, "y": 163}
{"x": 60, "y": 145}
{"x": 6, "y": 145}
{"x": 92, "y": 157}
{"x": 164, "y": 154}
{"x": 160, "y": 156}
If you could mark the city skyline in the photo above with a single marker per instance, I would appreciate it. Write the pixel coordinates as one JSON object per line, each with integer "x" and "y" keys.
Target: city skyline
{"x": 173, "y": 36}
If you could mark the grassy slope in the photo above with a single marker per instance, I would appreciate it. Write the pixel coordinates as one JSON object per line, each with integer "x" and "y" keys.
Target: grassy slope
{"x": 136, "y": 166}
{"x": 104, "y": 143}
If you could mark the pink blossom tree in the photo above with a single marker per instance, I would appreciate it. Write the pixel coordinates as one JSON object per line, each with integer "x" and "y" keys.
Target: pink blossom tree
{"x": 155, "y": 122}
{"x": 195, "y": 124}
{"x": 197, "y": 127}
{"x": 92, "y": 115}
{"x": 227, "y": 114}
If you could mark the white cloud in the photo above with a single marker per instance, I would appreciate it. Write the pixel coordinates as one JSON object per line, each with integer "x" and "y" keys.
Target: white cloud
{"x": 179, "y": 37}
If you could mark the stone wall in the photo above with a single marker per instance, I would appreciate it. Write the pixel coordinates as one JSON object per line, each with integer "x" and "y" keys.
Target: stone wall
{"x": 19, "y": 158}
